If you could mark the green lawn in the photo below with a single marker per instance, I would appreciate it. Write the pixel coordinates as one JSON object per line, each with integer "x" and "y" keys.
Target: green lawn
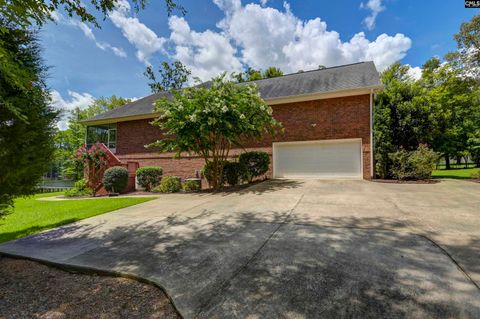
{"x": 460, "y": 173}
{"x": 31, "y": 215}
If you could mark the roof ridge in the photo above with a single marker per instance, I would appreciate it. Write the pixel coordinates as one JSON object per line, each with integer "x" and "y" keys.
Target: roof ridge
{"x": 309, "y": 71}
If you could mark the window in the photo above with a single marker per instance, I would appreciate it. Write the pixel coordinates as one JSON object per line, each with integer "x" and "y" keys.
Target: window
{"x": 106, "y": 134}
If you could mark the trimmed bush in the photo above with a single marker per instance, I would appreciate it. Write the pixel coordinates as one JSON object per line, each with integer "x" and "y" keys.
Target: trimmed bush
{"x": 149, "y": 177}
{"x": 257, "y": 163}
{"x": 80, "y": 189}
{"x": 207, "y": 172}
{"x": 169, "y": 184}
{"x": 115, "y": 179}
{"x": 235, "y": 173}
{"x": 192, "y": 185}
{"x": 418, "y": 164}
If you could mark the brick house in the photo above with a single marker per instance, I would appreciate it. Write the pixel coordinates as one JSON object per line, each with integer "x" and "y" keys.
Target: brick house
{"x": 326, "y": 114}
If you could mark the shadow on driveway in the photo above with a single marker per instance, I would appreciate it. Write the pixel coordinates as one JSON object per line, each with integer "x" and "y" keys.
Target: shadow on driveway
{"x": 245, "y": 266}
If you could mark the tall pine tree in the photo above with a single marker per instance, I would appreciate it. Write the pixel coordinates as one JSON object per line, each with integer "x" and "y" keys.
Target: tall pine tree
{"x": 27, "y": 120}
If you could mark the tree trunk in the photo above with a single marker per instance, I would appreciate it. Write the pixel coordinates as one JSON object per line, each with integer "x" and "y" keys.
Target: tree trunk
{"x": 447, "y": 161}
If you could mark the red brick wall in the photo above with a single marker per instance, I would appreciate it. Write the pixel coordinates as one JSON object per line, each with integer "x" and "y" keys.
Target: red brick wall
{"x": 338, "y": 118}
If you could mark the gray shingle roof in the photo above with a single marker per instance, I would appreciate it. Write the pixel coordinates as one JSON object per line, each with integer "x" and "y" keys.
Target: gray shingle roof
{"x": 339, "y": 78}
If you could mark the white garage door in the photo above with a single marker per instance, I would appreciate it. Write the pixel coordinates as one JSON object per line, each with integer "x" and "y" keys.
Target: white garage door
{"x": 318, "y": 159}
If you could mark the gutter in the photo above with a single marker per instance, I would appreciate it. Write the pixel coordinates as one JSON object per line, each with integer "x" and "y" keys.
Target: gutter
{"x": 111, "y": 120}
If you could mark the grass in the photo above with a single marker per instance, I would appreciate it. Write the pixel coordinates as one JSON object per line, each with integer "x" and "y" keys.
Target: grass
{"x": 458, "y": 173}
{"x": 31, "y": 215}
{"x": 452, "y": 165}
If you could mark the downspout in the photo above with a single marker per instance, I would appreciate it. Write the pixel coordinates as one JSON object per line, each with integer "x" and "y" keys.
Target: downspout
{"x": 372, "y": 169}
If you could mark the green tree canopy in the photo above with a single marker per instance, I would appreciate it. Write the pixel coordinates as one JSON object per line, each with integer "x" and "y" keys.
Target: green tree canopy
{"x": 454, "y": 105}
{"x": 208, "y": 121}
{"x": 401, "y": 118}
{"x": 26, "y": 119}
{"x": 173, "y": 76}
{"x": 468, "y": 42}
{"x": 440, "y": 110}
{"x": 252, "y": 74}
{"x": 272, "y": 72}
{"x": 25, "y": 12}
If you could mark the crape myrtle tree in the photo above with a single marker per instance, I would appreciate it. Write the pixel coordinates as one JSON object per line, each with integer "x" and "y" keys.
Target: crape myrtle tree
{"x": 27, "y": 119}
{"x": 210, "y": 120}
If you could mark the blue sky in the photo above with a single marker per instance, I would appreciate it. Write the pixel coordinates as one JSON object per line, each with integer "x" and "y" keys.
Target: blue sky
{"x": 227, "y": 35}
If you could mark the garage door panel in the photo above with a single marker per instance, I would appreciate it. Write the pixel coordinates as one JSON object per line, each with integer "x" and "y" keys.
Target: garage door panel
{"x": 327, "y": 159}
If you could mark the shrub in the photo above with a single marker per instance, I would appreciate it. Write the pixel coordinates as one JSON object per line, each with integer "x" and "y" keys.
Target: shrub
{"x": 80, "y": 189}
{"x": 192, "y": 185}
{"x": 169, "y": 184}
{"x": 475, "y": 175}
{"x": 149, "y": 177}
{"x": 207, "y": 172}
{"x": 115, "y": 179}
{"x": 418, "y": 164}
{"x": 257, "y": 163}
{"x": 423, "y": 161}
{"x": 401, "y": 168}
{"x": 235, "y": 172}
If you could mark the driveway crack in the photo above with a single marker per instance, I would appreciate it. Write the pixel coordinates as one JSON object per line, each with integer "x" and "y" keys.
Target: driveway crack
{"x": 225, "y": 284}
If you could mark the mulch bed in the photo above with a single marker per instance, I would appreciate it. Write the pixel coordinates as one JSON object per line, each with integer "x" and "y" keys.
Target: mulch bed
{"x": 232, "y": 189}
{"x": 32, "y": 290}
{"x": 206, "y": 190}
{"x": 395, "y": 181}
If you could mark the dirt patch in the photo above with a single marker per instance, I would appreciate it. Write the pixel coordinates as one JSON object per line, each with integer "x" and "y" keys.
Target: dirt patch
{"x": 396, "y": 181}
{"x": 32, "y": 290}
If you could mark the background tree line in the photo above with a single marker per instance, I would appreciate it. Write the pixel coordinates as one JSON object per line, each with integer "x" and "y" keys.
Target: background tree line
{"x": 441, "y": 109}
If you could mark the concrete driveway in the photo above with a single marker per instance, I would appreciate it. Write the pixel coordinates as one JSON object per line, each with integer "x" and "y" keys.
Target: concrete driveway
{"x": 292, "y": 249}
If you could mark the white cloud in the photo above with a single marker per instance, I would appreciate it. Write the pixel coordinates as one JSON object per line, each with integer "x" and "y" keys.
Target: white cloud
{"x": 269, "y": 37}
{"x": 415, "y": 72}
{"x": 75, "y": 99}
{"x": 375, "y": 6}
{"x": 143, "y": 38}
{"x": 101, "y": 45}
{"x": 259, "y": 36}
{"x": 88, "y": 32}
{"x": 206, "y": 53}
